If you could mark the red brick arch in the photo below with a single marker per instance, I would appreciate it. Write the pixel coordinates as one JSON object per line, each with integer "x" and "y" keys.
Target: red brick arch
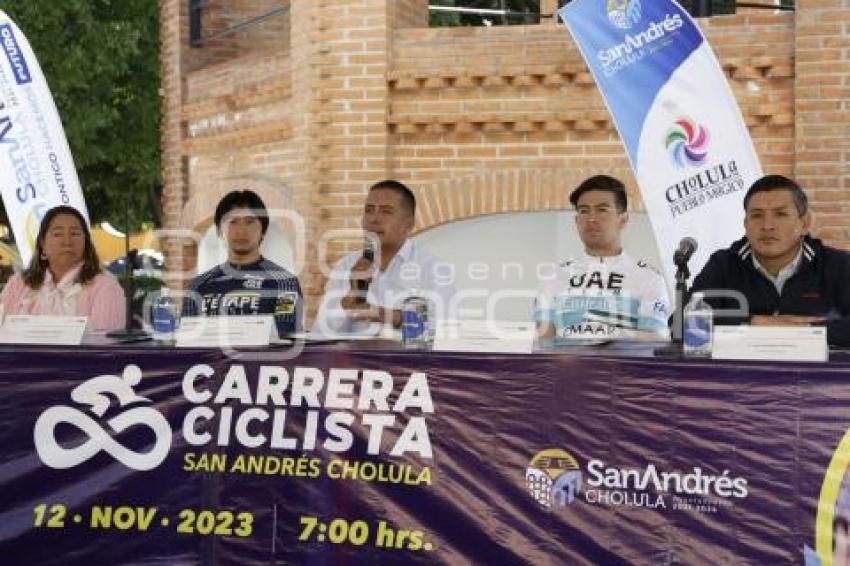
{"x": 199, "y": 211}
{"x": 495, "y": 192}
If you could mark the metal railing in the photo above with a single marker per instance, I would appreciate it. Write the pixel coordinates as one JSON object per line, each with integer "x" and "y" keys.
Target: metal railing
{"x": 500, "y": 12}
{"x": 196, "y": 36}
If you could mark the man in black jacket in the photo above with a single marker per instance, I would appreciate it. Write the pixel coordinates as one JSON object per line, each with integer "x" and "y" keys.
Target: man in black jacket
{"x": 787, "y": 277}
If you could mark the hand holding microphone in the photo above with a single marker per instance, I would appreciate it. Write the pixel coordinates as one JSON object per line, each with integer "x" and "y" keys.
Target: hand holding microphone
{"x": 360, "y": 278}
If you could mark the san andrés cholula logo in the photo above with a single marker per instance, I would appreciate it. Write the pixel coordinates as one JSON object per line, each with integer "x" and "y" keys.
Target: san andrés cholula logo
{"x": 555, "y": 479}
{"x": 687, "y": 143}
{"x": 636, "y": 43}
{"x": 623, "y": 13}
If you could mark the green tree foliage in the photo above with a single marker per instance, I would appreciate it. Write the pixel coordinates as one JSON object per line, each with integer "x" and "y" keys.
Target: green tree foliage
{"x": 101, "y": 61}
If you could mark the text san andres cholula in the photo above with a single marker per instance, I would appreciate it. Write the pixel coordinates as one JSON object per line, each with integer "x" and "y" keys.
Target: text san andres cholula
{"x": 283, "y": 417}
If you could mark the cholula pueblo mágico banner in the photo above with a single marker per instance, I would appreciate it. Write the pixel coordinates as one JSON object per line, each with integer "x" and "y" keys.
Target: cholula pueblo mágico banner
{"x": 36, "y": 168}
{"x": 678, "y": 119}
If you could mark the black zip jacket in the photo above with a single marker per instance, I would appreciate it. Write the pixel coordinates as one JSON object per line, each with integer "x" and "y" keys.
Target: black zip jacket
{"x": 820, "y": 287}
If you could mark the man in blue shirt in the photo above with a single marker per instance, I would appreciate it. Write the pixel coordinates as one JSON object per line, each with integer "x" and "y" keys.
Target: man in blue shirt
{"x": 247, "y": 283}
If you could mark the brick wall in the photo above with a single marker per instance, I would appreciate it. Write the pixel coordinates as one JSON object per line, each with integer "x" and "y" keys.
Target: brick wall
{"x": 822, "y": 113}
{"x": 218, "y": 15}
{"x": 352, "y": 112}
{"x": 466, "y": 104}
{"x": 409, "y": 13}
{"x": 477, "y": 120}
{"x": 173, "y": 39}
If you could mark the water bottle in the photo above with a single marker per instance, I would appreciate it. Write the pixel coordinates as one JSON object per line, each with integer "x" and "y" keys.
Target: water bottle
{"x": 699, "y": 327}
{"x": 164, "y": 316}
{"x": 416, "y": 324}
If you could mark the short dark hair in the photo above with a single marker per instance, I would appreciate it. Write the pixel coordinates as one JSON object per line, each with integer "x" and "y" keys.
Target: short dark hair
{"x": 400, "y": 188}
{"x": 33, "y": 275}
{"x": 779, "y": 183}
{"x": 602, "y": 183}
{"x": 242, "y": 199}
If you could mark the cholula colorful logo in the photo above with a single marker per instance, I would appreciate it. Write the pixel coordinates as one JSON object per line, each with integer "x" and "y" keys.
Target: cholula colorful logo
{"x": 623, "y": 13}
{"x": 687, "y": 143}
{"x": 553, "y": 477}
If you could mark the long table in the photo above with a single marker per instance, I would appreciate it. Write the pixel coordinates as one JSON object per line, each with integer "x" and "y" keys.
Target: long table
{"x": 371, "y": 454}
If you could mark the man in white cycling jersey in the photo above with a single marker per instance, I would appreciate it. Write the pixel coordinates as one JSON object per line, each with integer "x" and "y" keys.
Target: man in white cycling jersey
{"x": 603, "y": 293}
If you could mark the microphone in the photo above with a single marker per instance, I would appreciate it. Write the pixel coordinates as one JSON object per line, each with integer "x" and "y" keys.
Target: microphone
{"x": 369, "y": 251}
{"x": 686, "y": 249}
{"x": 363, "y": 284}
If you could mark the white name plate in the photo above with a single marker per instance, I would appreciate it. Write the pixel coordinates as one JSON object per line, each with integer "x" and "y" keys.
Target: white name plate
{"x": 771, "y": 343}
{"x": 224, "y": 331}
{"x": 484, "y": 336}
{"x": 38, "y": 329}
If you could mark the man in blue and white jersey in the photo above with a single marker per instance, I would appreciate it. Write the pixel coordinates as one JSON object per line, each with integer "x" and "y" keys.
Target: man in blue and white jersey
{"x": 603, "y": 293}
{"x": 247, "y": 283}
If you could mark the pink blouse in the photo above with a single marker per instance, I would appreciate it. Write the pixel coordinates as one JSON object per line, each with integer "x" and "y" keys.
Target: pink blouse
{"x": 101, "y": 299}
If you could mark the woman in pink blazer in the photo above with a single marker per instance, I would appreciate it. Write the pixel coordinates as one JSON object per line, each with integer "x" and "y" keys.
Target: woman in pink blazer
{"x": 64, "y": 276}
